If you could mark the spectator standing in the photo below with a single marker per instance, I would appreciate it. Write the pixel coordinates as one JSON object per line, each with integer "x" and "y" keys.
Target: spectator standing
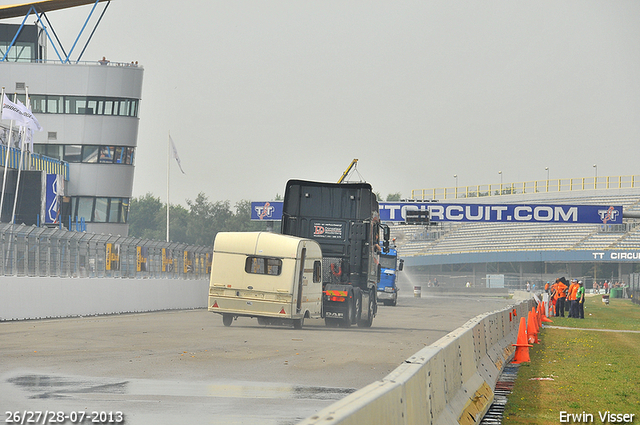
{"x": 528, "y": 287}
{"x": 572, "y": 298}
{"x": 580, "y": 300}
{"x": 561, "y": 293}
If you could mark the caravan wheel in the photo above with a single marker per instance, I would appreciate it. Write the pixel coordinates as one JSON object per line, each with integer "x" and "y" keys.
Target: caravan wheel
{"x": 227, "y": 319}
{"x": 298, "y": 323}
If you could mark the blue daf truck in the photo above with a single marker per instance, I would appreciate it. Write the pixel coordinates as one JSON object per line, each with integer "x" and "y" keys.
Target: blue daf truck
{"x": 390, "y": 265}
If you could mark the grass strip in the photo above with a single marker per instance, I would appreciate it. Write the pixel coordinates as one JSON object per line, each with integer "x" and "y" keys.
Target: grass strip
{"x": 582, "y": 372}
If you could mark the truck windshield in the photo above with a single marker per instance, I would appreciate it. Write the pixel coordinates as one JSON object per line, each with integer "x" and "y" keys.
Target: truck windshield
{"x": 387, "y": 262}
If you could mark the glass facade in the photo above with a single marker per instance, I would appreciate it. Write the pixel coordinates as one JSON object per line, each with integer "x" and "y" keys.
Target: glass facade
{"x": 89, "y": 154}
{"x": 96, "y": 209}
{"x": 82, "y": 105}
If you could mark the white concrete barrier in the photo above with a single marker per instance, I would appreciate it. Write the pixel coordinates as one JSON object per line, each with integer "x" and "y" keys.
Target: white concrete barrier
{"x": 449, "y": 382}
{"x": 49, "y": 297}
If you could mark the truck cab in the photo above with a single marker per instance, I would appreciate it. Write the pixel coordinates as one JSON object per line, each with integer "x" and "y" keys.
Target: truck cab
{"x": 343, "y": 219}
{"x": 390, "y": 265}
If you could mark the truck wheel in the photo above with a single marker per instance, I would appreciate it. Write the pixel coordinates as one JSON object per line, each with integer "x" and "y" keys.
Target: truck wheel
{"x": 394, "y": 302}
{"x": 346, "y": 319}
{"x": 227, "y": 319}
{"x": 369, "y": 321}
{"x": 298, "y": 323}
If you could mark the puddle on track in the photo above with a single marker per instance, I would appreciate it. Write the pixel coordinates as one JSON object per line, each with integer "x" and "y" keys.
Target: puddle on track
{"x": 145, "y": 401}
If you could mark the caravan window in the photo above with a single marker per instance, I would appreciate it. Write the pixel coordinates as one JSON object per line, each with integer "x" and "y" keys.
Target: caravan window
{"x": 262, "y": 265}
{"x": 317, "y": 272}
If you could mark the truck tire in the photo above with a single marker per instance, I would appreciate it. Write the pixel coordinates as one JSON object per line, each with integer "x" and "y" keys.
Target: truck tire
{"x": 227, "y": 319}
{"x": 394, "y": 302}
{"x": 366, "y": 323}
{"x": 348, "y": 315}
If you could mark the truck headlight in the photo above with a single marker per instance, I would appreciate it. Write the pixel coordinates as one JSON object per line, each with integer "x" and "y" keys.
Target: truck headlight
{"x": 388, "y": 289}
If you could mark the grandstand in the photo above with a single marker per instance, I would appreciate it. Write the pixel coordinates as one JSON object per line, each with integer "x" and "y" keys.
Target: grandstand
{"x": 456, "y": 252}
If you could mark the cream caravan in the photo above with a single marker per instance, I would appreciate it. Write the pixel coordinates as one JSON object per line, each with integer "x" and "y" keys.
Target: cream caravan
{"x": 274, "y": 278}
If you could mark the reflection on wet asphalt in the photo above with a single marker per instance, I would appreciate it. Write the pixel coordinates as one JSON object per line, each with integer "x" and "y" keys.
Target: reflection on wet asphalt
{"x": 160, "y": 401}
{"x": 47, "y": 386}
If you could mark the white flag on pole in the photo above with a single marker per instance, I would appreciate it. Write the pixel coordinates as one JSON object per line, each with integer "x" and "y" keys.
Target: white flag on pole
{"x": 29, "y": 120}
{"x": 175, "y": 154}
{"x": 19, "y": 113}
{"x": 11, "y": 111}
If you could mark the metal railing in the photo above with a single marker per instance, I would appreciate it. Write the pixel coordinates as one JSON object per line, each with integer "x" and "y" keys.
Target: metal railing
{"x": 41, "y": 251}
{"x": 34, "y": 161}
{"x": 537, "y": 186}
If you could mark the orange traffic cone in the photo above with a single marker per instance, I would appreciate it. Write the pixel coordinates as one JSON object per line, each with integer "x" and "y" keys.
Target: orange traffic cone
{"x": 532, "y": 328}
{"x": 522, "y": 347}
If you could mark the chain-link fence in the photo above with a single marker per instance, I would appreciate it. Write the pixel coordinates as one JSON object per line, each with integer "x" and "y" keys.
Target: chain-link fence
{"x": 41, "y": 251}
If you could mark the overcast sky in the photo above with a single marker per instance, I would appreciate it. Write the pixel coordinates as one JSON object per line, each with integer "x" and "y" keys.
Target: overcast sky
{"x": 258, "y": 92}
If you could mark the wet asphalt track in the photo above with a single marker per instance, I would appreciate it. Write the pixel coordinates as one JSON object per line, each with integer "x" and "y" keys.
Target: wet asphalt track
{"x": 186, "y": 367}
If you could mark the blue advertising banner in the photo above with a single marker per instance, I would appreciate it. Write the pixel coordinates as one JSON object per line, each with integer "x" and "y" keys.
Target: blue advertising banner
{"x": 266, "y": 211}
{"x": 477, "y": 213}
{"x": 502, "y": 213}
{"x": 53, "y": 191}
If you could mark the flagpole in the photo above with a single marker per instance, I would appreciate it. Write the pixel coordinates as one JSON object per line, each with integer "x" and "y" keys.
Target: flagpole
{"x": 168, "y": 169}
{"x": 24, "y": 134}
{"x": 6, "y": 158}
{"x": 15, "y": 197}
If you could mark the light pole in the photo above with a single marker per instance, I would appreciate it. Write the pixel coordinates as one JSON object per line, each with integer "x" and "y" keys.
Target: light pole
{"x": 500, "y": 172}
{"x": 547, "y": 168}
{"x": 595, "y": 180}
{"x": 455, "y": 176}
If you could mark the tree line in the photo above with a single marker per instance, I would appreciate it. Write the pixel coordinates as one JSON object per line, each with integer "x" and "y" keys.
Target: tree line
{"x": 197, "y": 224}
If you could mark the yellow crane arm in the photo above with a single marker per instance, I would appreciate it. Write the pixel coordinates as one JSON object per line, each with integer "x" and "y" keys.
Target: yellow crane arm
{"x": 348, "y": 170}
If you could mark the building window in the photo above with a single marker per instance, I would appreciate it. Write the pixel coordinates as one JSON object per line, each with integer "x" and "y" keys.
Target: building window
{"x": 99, "y": 209}
{"x": 82, "y": 105}
{"x": 54, "y": 105}
{"x": 88, "y": 154}
{"x": 52, "y": 151}
{"x": 73, "y": 153}
{"x": 106, "y": 154}
{"x": 114, "y": 210}
{"x": 124, "y": 210}
{"x": 130, "y": 155}
{"x": 85, "y": 208}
